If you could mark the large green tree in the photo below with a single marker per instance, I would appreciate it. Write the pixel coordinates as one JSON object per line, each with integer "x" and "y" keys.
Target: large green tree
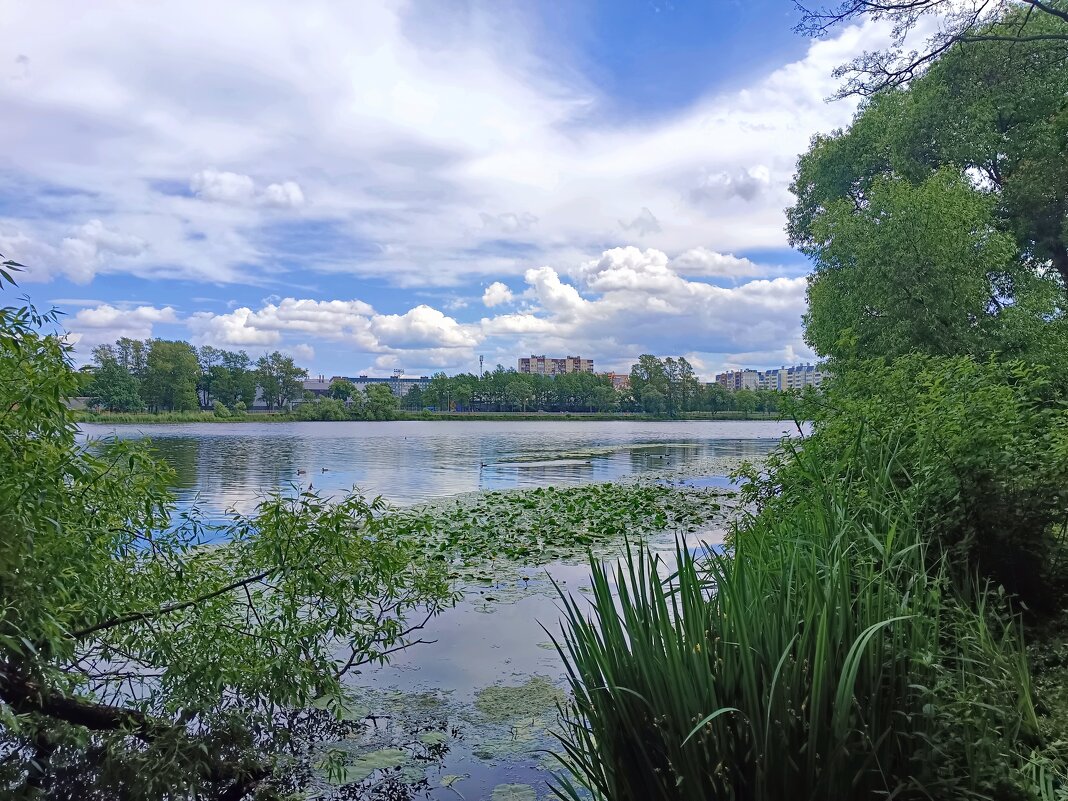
{"x": 171, "y": 376}
{"x": 981, "y": 144}
{"x": 112, "y": 387}
{"x": 279, "y": 379}
{"x": 918, "y": 269}
{"x": 137, "y": 662}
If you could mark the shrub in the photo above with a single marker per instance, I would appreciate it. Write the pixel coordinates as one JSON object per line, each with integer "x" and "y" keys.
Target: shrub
{"x": 823, "y": 659}
{"x": 220, "y": 409}
{"x": 981, "y": 450}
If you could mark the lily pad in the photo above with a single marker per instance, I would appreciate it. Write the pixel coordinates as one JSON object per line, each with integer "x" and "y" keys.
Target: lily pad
{"x": 366, "y": 764}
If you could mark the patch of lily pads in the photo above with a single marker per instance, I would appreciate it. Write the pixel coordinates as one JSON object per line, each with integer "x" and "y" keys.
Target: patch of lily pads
{"x": 481, "y": 535}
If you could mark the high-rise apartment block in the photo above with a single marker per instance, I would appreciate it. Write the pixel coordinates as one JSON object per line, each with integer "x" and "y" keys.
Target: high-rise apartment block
{"x": 784, "y": 379}
{"x": 541, "y": 365}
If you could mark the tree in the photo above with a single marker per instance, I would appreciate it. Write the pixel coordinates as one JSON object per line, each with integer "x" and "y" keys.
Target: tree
{"x": 919, "y": 270}
{"x": 438, "y": 392}
{"x": 235, "y": 379}
{"x": 342, "y": 389}
{"x": 745, "y": 401}
{"x": 172, "y": 370}
{"x": 519, "y": 394}
{"x": 653, "y": 401}
{"x": 380, "y": 404}
{"x": 649, "y": 373}
{"x": 604, "y": 397}
{"x": 112, "y": 387}
{"x": 414, "y": 399}
{"x": 975, "y": 112}
{"x": 969, "y": 24}
{"x": 715, "y": 398}
{"x": 210, "y": 359}
{"x": 132, "y": 355}
{"x": 279, "y": 379}
{"x": 128, "y": 650}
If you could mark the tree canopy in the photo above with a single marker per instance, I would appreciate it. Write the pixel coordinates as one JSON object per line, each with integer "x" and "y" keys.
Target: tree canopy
{"x": 957, "y": 25}
{"x": 947, "y": 199}
{"x": 145, "y": 654}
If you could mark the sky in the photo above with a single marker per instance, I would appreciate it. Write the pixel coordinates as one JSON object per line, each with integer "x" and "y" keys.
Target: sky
{"x": 410, "y": 185}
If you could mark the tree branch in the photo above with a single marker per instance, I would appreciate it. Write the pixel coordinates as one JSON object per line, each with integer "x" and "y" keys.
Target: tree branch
{"x": 134, "y": 617}
{"x": 26, "y": 695}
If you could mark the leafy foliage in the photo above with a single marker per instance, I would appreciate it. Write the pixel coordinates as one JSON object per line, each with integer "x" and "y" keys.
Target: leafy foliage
{"x": 982, "y": 454}
{"x": 825, "y": 658}
{"x": 137, "y": 643}
{"x": 279, "y": 379}
{"x": 969, "y": 157}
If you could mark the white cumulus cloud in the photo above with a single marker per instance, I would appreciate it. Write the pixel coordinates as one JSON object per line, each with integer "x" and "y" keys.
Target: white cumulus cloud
{"x": 497, "y": 294}
{"x": 106, "y": 323}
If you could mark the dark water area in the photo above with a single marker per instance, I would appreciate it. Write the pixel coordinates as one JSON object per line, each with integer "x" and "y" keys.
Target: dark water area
{"x": 472, "y": 710}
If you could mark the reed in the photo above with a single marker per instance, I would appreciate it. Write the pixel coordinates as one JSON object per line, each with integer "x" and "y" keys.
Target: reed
{"x": 823, "y": 658}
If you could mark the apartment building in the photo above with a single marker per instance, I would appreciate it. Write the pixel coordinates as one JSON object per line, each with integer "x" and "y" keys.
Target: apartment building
{"x": 735, "y": 380}
{"x": 784, "y": 379}
{"x": 542, "y": 365}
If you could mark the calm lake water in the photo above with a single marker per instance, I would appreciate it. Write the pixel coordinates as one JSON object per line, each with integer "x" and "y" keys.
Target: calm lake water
{"x": 233, "y": 464}
{"x": 494, "y": 637}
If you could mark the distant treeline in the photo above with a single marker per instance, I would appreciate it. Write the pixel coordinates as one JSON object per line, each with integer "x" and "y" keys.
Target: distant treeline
{"x": 659, "y": 387}
{"x": 167, "y": 376}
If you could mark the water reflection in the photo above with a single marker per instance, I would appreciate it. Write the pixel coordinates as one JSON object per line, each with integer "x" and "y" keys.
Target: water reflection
{"x": 495, "y": 634}
{"x": 233, "y": 465}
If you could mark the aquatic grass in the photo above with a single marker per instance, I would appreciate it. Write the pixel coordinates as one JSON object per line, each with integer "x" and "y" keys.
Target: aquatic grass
{"x": 824, "y": 658}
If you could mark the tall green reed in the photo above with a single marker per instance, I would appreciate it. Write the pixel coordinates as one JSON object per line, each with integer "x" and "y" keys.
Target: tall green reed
{"x": 824, "y": 658}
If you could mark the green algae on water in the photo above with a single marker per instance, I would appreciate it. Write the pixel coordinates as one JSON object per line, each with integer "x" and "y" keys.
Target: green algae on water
{"x": 514, "y": 792}
{"x": 498, "y": 703}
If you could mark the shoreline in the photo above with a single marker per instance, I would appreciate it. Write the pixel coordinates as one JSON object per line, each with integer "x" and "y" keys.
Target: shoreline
{"x": 166, "y": 418}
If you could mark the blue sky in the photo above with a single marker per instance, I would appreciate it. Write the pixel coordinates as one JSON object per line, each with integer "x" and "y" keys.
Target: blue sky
{"x": 413, "y": 184}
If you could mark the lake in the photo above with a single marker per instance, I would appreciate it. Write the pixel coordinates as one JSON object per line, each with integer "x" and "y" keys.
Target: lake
{"x": 431, "y": 701}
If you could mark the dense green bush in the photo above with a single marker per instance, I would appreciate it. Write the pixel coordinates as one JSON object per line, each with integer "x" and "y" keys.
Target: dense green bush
{"x": 220, "y": 410}
{"x": 823, "y": 659}
{"x": 982, "y": 454}
{"x": 322, "y": 409}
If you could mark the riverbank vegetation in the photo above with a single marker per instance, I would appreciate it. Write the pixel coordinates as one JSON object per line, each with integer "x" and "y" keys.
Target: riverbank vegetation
{"x": 313, "y": 414}
{"x": 891, "y": 621}
{"x": 173, "y": 381}
{"x": 136, "y": 642}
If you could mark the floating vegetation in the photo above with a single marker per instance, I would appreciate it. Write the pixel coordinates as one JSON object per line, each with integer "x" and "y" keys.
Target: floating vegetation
{"x": 432, "y": 737}
{"x": 513, "y": 792}
{"x": 537, "y": 526}
{"x": 499, "y": 703}
{"x": 365, "y": 764}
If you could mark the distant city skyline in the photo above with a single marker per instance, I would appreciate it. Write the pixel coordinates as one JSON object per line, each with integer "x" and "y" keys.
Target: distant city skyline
{"x": 487, "y": 178}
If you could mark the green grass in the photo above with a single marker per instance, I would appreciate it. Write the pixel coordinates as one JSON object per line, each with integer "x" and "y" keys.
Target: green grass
{"x": 177, "y": 417}
{"x": 827, "y": 658}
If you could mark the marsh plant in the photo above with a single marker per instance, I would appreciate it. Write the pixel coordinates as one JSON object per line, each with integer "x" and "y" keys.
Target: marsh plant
{"x": 824, "y": 658}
